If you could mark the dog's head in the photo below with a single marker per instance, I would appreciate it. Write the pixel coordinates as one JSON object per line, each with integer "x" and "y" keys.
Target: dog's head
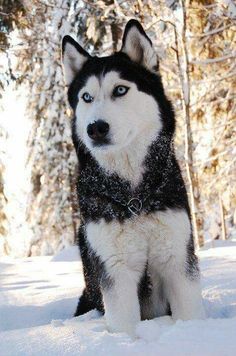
{"x": 117, "y": 98}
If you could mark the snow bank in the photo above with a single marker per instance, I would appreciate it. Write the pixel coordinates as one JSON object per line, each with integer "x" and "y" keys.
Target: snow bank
{"x": 67, "y": 254}
{"x": 38, "y": 297}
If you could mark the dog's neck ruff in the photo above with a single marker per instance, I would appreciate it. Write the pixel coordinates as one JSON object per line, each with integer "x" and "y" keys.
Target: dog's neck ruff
{"x": 135, "y": 200}
{"x": 111, "y": 197}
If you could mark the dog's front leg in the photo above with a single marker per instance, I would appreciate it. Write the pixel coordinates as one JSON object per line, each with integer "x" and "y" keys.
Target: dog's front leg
{"x": 122, "y": 309}
{"x": 184, "y": 295}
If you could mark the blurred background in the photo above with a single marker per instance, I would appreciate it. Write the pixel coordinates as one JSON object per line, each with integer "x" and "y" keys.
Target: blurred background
{"x": 196, "y": 44}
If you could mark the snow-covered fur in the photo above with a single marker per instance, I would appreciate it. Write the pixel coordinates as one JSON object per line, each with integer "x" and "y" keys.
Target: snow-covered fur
{"x": 135, "y": 237}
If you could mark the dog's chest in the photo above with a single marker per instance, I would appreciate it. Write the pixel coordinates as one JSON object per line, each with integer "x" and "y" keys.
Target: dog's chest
{"x": 149, "y": 238}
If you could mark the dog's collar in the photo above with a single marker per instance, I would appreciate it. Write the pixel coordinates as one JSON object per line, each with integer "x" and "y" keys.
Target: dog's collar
{"x": 135, "y": 205}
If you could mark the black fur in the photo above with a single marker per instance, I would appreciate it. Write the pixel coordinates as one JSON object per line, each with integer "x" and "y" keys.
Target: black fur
{"x": 69, "y": 39}
{"x": 103, "y": 195}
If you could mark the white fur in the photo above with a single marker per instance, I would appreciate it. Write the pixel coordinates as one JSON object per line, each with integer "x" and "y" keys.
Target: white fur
{"x": 159, "y": 238}
{"x": 135, "y": 45}
{"x": 72, "y": 62}
{"x": 134, "y": 121}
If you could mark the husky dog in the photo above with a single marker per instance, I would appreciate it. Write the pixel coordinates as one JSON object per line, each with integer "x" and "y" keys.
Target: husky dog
{"x": 135, "y": 237}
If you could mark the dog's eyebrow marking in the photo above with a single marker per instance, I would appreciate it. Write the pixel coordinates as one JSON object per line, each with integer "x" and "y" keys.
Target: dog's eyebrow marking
{"x": 86, "y": 83}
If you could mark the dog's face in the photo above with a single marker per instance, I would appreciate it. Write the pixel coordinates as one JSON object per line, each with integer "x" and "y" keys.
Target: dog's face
{"x": 116, "y": 99}
{"x": 112, "y": 112}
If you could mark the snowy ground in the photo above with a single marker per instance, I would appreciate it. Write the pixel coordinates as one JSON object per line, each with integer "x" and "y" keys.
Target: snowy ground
{"x": 38, "y": 297}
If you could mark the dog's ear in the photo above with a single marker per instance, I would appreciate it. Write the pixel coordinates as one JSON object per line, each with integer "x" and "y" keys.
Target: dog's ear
{"x": 73, "y": 58}
{"x": 138, "y": 46}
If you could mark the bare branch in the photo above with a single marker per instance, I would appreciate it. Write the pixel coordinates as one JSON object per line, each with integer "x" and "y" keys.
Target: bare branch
{"x": 212, "y": 32}
{"x": 214, "y": 60}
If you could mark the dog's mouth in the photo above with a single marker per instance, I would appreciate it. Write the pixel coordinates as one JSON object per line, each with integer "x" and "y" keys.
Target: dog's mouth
{"x": 107, "y": 143}
{"x": 101, "y": 143}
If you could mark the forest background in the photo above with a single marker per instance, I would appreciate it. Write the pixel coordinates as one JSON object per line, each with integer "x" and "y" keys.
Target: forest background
{"x": 196, "y": 44}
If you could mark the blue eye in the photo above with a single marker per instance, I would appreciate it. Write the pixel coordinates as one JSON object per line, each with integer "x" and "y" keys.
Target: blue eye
{"x": 120, "y": 90}
{"x": 87, "y": 97}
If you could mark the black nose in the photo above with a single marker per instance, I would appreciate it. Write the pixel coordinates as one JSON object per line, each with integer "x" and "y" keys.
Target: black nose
{"x": 98, "y": 130}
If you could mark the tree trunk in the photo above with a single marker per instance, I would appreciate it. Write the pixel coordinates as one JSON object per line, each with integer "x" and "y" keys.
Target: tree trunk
{"x": 189, "y": 156}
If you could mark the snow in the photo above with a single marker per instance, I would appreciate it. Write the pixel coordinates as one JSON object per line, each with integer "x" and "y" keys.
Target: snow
{"x": 14, "y": 121}
{"x": 38, "y": 296}
{"x": 69, "y": 254}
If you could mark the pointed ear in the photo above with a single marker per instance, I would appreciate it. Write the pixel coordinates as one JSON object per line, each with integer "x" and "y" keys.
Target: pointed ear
{"x": 138, "y": 46}
{"x": 73, "y": 57}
